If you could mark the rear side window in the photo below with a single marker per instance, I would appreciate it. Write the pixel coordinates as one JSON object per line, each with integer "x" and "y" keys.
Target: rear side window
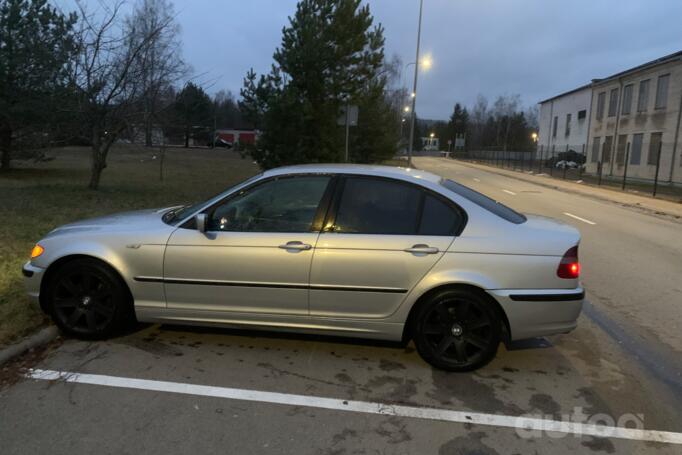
{"x": 438, "y": 218}
{"x": 485, "y": 202}
{"x": 375, "y": 206}
{"x": 383, "y": 206}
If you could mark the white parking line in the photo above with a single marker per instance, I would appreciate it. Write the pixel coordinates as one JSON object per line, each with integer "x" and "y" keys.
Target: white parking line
{"x": 509, "y": 192}
{"x": 578, "y": 218}
{"x": 476, "y": 180}
{"x": 366, "y": 407}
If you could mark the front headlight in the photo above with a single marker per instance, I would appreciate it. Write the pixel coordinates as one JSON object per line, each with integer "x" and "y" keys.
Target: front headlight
{"x": 37, "y": 251}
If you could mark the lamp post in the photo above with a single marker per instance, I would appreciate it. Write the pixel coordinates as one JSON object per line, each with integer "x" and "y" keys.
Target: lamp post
{"x": 414, "y": 87}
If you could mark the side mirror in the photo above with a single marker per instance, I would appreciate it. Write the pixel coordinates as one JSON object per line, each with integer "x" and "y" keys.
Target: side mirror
{"x": 200, "y": 219}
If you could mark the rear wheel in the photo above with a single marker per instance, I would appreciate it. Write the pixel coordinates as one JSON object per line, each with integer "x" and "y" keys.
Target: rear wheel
{"x": 88, "y": 300}
{"x": 457, "y": 330}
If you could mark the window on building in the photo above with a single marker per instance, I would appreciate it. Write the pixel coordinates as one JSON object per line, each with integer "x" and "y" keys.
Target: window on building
{"x": 567, "y": 132}
{"x": 613, "y": 102}
{"x": 636, "y": 148}
{"x": 643, "y": 99}
{"x": 627, "y": 99}
{"x": 620, "y": 149}
{"x": 595, "y": 149}
{"x": 555, "y": 126}
{"x": 601, "y": 99}
{"x": 582, "y": 114}
{"x": 662, "y": 91}
{"x": 606, "y": 151}
{"x": 655, "y": 143}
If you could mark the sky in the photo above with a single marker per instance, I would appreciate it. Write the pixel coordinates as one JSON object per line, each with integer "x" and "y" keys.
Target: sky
{"x": 535, "y": 48}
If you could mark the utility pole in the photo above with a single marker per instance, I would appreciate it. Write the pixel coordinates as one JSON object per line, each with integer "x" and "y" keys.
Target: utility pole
{"x": 347, "y": 127}
{"x": 414, "y": 89}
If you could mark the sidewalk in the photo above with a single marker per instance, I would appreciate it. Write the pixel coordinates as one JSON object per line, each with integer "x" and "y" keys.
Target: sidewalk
{"x": 658, "y": 207}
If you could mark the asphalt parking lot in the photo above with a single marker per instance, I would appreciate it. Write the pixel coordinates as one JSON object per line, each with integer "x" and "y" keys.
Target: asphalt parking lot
{"x": 549, "y": 379}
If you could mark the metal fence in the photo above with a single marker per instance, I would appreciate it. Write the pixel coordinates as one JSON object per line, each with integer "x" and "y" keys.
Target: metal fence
{"x": 648, "y": 169}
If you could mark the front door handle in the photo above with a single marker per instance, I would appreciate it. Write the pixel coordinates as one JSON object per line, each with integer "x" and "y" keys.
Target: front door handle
{"x": 421, "y": 248}
{"x": 296, "y": 245}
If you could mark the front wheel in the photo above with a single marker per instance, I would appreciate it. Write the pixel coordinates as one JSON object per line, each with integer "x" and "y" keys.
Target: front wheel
{"x": 457, "y": 330}
{"x": 88, "y": 300}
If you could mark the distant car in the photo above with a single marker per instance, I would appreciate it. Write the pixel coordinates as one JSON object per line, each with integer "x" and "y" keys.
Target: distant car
{"x": 566, "y": 164}
{"x": 220, "y": 142}
{"x": 358, "y": 251}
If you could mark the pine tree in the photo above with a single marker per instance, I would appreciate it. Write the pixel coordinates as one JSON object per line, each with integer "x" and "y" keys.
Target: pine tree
{"x": 330, "y": 54}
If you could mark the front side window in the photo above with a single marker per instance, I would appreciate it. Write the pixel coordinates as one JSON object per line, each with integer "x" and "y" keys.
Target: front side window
{"x": 286, "y": 204}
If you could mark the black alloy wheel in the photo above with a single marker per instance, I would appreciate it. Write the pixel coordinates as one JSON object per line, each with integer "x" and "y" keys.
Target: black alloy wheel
{"x": 457, "y": 330}
{"x": 88, "y": 300}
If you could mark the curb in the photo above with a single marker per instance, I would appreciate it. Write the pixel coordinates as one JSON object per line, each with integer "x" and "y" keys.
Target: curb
{"x": 533, "y": 178}
{"x": 37, "y": 339}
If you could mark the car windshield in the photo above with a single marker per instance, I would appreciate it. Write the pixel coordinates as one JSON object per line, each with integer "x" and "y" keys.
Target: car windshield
{"x": 181, "y": 212}
{"x": 485, "y": 202}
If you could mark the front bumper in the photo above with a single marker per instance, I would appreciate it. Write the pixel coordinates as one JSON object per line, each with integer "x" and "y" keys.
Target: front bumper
{"x": 33, "y": 275}
{"x": 540, "y": 312}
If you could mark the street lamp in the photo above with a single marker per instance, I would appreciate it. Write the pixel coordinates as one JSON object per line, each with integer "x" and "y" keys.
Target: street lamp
{"x": 432, "y": 135}
{"x": 414, "y": 89}
{"x": 534, "y": 136}
{"x": 406, "y": 109}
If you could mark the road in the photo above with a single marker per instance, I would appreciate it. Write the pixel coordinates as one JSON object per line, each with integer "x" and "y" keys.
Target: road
{"x": 275, "y": 393}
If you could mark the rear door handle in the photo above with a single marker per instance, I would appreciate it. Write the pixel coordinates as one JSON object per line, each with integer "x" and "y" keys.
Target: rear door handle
{"x": 422, "y": 249}
{"x": 296, "y": 245}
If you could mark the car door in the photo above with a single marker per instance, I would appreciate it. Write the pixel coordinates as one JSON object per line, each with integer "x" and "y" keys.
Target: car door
{"x": 256, "y": 252}
{"x": 382, "y": 237}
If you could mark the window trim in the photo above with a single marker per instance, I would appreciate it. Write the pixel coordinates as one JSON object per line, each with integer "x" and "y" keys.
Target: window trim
{"x": 330, "y": 219}
{"x": 316, "y": 225}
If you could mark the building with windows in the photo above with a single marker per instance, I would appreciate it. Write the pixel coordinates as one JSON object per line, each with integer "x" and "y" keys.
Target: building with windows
{"x": 564, "y": 122}
{"x": 635, "y": 119}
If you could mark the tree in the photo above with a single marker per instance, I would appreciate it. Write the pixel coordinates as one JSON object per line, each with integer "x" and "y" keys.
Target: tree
{"x": 36, "y": 41}
{"x": 330, "y": 55}
{"x": 106, "y": 76}
{"x": 159, "y": 62}
{"x": 459, "y": 123}
{"x": 194, "y": 108}
{"x": 226, "y": 110}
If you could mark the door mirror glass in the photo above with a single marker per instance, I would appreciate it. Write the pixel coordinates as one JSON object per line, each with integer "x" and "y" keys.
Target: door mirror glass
{"x": 200, "y": 219}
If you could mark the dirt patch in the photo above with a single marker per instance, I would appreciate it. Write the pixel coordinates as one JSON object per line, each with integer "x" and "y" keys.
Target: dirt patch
{"x": 14, "y": 370}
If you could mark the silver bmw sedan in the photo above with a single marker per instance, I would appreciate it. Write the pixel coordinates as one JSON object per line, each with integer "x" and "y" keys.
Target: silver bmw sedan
{"x": 360, "y": 251}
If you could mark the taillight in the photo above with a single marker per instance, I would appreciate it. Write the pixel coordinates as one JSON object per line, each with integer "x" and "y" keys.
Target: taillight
{"x": 569, "y": 267}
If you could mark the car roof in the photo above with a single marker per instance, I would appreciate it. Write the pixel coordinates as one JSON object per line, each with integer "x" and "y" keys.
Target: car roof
{"x": 403, "y": 173}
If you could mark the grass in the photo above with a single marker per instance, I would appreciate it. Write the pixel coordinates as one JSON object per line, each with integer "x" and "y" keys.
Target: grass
{"x": 37, "y": 197}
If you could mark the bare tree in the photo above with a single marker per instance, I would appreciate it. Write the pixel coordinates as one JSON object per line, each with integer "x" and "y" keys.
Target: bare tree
{"x": 107, "y": 78}
{"x": 159, "y": 62}
{"x": 504, "y": 109}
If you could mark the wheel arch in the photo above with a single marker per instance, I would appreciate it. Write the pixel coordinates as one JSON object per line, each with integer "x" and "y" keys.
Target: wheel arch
{"x": 409, "y": 322}
{"x": 58, "y": 263}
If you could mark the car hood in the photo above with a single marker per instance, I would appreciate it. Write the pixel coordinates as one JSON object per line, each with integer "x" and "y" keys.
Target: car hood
{"x": 138, "y": 220}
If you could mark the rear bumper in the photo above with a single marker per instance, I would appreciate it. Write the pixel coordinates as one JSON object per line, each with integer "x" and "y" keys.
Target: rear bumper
{"x": 32, "y": 277}
{"x": 539, "y": 312}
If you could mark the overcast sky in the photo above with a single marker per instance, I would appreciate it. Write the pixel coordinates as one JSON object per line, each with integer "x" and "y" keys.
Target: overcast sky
{"x": 536, "y": 48}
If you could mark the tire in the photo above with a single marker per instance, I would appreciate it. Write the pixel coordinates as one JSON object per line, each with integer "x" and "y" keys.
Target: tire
{"x": 457, "y": 330}
{"x": 87, "y": 299}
